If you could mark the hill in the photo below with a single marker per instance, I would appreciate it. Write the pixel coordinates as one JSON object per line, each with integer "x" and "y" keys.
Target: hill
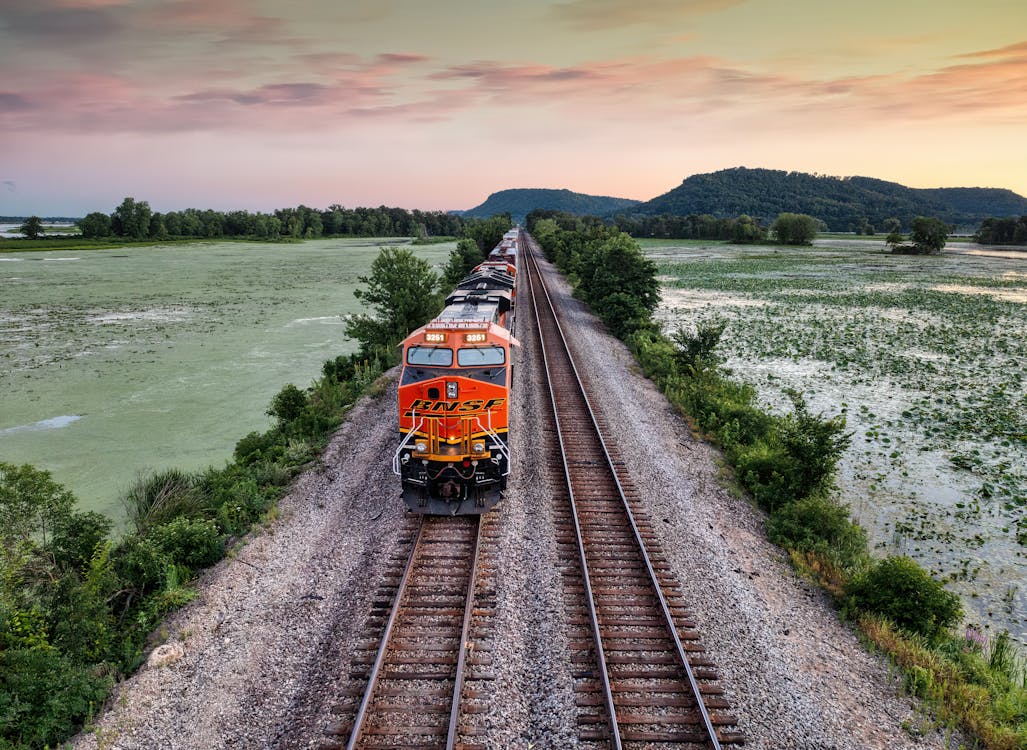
{"x": 840, "y": 202}
{"x": 518, "y": 202}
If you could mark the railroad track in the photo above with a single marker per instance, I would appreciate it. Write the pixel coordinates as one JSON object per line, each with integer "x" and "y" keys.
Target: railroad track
{"x": 641, "y": 677}
{"x": 415, "y": 694}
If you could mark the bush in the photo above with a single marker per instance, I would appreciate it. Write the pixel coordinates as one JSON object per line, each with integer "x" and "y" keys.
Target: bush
{"x": 623, "y": 314}
{"x": 814, "y": 443}
{"x": 902, "y": 591}
{"x": 77, "y": 537}
{"x": 258, "y": 446}
{"x": 816, "y": 524}
{"x": 194, "y": 543}
{"x": 45, "y": 696}
{"x": 140, "y": 565}
{"x": 697, "y": 352}
{"x": 765, "y": 469}
{"x": 287, "y": 404}
{"x": 162, "y": 497}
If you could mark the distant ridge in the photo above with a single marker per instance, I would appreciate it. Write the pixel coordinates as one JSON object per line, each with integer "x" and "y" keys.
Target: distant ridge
{"x": 843, "y": 203}
{"x": 519, "y": 202}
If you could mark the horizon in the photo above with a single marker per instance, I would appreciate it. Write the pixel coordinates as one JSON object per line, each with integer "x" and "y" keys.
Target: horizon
{"x": 240, "y": 104}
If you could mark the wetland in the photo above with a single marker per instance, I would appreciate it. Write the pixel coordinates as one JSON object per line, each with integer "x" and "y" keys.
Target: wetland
{"x": 924, "y": 356}
{"x": 117, "y": 363}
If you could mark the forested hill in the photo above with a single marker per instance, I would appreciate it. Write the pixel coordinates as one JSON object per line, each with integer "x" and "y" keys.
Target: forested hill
{"x": 519, "y": 202}
{"x": 843, "y": 203}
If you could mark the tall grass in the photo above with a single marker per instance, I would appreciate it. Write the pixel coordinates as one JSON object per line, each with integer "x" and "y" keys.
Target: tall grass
{"x": 162, "y": 497}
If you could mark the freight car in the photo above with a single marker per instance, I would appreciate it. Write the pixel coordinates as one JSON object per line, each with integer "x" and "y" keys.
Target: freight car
{"x": 454, "y": 393}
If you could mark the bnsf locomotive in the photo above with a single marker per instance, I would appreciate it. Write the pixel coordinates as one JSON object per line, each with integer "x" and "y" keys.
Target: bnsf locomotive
{"x": 454, "y": 393}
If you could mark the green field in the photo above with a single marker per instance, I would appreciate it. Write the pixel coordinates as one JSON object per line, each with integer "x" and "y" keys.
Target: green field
{"x": 925, "y": 356}
{"x": 117, "y": 362}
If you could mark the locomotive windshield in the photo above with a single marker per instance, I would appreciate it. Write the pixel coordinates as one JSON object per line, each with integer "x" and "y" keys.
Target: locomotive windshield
{"x": 430, "y": 356}
{"x": 481, "y": 356}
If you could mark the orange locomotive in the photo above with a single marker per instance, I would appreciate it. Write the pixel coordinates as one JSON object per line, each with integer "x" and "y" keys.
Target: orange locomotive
{"x": 454, "y": 394}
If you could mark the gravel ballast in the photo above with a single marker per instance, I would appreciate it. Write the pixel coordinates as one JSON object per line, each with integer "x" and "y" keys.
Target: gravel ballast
{"x": 257, "y": 659}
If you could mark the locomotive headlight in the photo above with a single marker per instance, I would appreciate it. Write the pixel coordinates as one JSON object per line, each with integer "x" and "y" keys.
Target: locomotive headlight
{"x": 478, "y": 447}
{"x": 452, "y": 389}
{"x": 421, "y": 447}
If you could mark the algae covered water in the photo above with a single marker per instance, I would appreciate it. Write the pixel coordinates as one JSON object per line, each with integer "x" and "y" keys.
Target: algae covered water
{"x": 115, "y": 363}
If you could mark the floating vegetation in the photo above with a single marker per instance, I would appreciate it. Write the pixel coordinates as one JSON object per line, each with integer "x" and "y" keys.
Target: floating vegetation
{"x": 925, "y": 357}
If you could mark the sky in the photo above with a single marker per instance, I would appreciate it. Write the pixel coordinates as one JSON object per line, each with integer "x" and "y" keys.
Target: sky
{"x": 260, "y": 104}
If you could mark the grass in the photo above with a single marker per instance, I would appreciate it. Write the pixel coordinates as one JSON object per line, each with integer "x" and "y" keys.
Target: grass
{"x": 972, "y": 683}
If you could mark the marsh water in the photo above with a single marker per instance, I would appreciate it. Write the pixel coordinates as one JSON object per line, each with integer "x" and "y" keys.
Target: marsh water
{"x": 926, "y": 357}
{"x": 116, "y": 363}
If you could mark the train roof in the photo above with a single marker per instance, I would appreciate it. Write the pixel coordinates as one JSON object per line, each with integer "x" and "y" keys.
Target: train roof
{"x": 500, "y": 297}
{"x": 490, "y": 277}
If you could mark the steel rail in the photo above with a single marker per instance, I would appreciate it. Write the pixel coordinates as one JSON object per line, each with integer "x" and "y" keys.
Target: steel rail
{"x": 382, "y": 656}
{"x": 587, "y": 581}
{"x": 465, "y": 630}
{"x": 379, "y": 661}
{"x": 664, "y": 607}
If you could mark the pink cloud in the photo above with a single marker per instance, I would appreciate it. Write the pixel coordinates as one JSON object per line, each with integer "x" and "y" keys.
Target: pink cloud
{"x": 402, "y": 87}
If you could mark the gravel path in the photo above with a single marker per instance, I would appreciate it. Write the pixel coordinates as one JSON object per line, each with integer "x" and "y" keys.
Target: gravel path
{"x": 254, "y": 660}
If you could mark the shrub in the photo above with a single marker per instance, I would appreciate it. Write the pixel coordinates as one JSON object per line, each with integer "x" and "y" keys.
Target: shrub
{"x": 162, "y": 497}
{"x": 902, "y": 591}
{"x": 765, "y": 468}
{"x": 77, "y": 537}
{"x": 140, "y": 565}
{"x": 194, "y": 543}
{"x": 623, "y": 314}
{"x": 287, "y": 404}
{"x": 654, "y": 352}
{"x": 342, "y": 368}
{"x": 44, "y": 696}
{"x": 258, "y": 446}
{"x": 814, "y": 443}
{"x": 816, "y": 524}
{"x": 697, "y": 352}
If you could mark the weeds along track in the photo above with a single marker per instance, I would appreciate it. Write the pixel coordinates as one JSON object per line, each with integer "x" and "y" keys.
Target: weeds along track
{"x": 423, "y": 675}
{"x": 641, "y": 678}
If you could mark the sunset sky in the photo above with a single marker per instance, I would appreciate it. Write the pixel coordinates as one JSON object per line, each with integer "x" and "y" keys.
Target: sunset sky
{"x": 256, "y": 104}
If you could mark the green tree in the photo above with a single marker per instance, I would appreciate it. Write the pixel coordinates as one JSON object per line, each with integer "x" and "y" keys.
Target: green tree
{"x": 288, "y": 403}
{"x": 403, "y": 291}
{"x": 32, "y": 228}
{"x": 619, "y": 282}
{"x": 928, "y": 234}
{"x": 462, "y": 260}
{"x": 894, "y": 229}
{"x": 794, "y": 229}
{"x": 747, "y": 229}
{"x": 487, "y": 232}
{"x": 131, "y": 219}
{"x": 95, "y": 225}
{"x": 32, "y": 509}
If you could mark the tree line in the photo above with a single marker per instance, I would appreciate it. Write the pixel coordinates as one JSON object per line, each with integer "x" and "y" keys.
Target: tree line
{"x": 787, "y": 228}
{"x": 136, "y": 220}
{"x": 1008, "y": 231}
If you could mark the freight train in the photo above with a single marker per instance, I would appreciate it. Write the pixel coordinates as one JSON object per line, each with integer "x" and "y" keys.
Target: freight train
{"x": 454, "y": 393}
